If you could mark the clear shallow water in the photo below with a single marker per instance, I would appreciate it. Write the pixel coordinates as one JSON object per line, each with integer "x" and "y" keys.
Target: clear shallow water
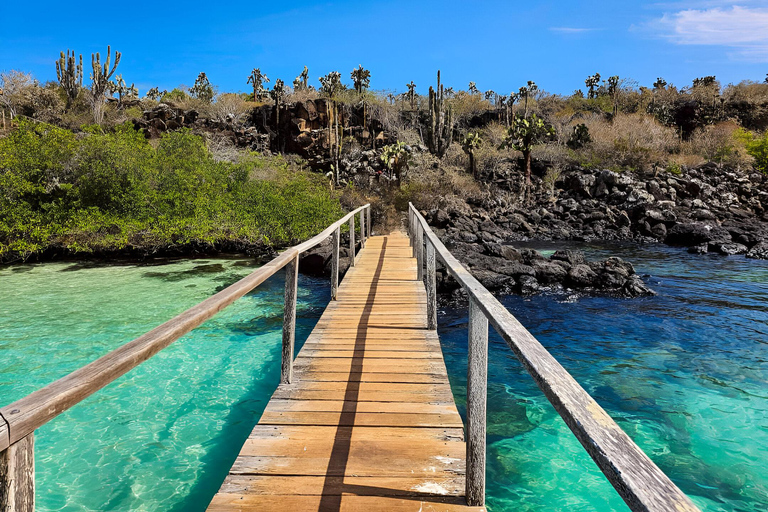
{"x": 685, "y": 374}
{"x": 163, "y": 436}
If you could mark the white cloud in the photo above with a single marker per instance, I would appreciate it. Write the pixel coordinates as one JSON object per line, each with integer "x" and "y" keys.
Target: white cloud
{"x": 744, "y": 29}
{"x": 571, "y": 30}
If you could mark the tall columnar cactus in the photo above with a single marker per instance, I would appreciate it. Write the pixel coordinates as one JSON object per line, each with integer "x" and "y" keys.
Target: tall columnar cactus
{"x": 412, "y": 94}
{"x": 100, "y": 77}
{"x": 440, "y": 130}
{"x": 331, "y": 86}
{"x": 70, "y": 75}
{"x": 278, "y": 94}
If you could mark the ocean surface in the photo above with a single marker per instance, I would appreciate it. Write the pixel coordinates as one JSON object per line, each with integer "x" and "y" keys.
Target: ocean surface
{"x": 685, "y": 373}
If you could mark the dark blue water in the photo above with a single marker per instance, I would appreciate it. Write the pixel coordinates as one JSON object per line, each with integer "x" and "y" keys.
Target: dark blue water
{"x": 684, "y": 373}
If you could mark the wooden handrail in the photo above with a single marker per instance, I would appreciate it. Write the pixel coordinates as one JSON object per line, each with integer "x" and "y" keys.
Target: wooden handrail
{"x": 25, "y": 415}
{"x": 642, "y": 485}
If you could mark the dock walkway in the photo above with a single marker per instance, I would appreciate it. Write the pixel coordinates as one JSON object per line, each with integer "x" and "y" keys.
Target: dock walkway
{"x": 369, "y": 421}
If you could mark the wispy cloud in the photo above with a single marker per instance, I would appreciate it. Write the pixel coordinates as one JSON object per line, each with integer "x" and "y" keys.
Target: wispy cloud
{"x": 571, "y": 30}
{"x": 743, "y": 29}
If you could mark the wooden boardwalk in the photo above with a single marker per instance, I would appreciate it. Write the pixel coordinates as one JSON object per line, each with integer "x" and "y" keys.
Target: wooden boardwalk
{"x": 369, "y": 422}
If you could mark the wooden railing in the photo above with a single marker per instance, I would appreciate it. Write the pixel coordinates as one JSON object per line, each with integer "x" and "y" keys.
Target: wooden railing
{"x": 642, "y": 485}
{"x": 19, "y": 420}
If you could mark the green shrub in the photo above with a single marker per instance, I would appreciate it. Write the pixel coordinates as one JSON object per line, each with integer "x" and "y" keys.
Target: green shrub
{"x": 757, "y": 147}
{"x": 109, "y": 191}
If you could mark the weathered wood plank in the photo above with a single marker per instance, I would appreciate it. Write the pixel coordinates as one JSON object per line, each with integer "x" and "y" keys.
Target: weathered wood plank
{"x": 289, "y": 320}
{"x": 477, "y": 386}
{"x": 346, "y": 503}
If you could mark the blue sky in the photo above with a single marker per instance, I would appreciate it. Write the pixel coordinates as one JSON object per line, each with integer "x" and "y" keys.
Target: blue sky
{"x": 498, "y": 44}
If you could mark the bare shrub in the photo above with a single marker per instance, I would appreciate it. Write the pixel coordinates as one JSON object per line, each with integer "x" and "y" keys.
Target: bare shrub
{"x": 297, "y": 96}
{"x": 229, "y": 107}
{"x": 15, "y": 88}
{"x": 635, "y": 141}
{"x": 716, "y": 143}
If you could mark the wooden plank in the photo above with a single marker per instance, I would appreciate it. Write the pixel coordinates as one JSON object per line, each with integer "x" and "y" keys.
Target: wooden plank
{"x": 346, "y": 503}
{"x": 369, "y": 422}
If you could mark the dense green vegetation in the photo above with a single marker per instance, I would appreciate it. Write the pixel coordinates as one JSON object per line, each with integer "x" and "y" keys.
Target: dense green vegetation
{"x": 97, "y": 191}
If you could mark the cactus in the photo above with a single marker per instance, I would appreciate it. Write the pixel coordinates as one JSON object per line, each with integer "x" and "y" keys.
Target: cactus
{"x": 258, "y": 79}
{"x": 202, "y": 89}
{"x": 525, "y": 92}
{"x": 331, "y": 86}
{"x": 361, "y": 78}
{"x": 470, "y": 143}
{"x": 300, "y": 83}
{"x": 278, "y": 94}
{"x": 156, "y": 94}
{"x": 592, "y": 82}
{"x": 440, "y": 129}
{"x": 123, "y": 91}
{"x": 70, "y": 75}
{"x": 412, "y": 94}
{"x": 100, "y": 82}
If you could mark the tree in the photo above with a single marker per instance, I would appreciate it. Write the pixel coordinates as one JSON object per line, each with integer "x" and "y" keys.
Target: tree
{"x": 659, "y": 84}
{"x": 592, "y": 82}
{"x": 14, "y": 88}
{"x": 412, "y": 94}
{"x": 258, "y": 79}
{"x": 100, "y": 77}
{"x": 522, "y": 136}
{"x": 361, "y": 79}
{"x": 396, "y": 158}
{"x": 70, "y": 75}
{"x": 470, "y": 143}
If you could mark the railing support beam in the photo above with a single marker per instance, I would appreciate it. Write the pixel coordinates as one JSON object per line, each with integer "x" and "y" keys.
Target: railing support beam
{"x": 419, "y": 247}
{"x": 17, "y": 476}
{"x": 370, "y": 226}
{"x": 335, "y": 263}
{"x": 289, "y": 319}
{"x": 352, "y": 241}
{"x": 477, "y": 385}
{"x": 362, "y": 229}
{"x": 431, "y": 287}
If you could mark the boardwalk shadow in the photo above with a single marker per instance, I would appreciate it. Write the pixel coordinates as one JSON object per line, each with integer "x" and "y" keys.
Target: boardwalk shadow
{"x": 334, "y": 487}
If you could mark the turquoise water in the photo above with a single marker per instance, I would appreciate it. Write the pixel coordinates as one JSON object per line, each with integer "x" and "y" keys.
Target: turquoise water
{"x": 684, "y": 373}
{"x": 163, "y": 436}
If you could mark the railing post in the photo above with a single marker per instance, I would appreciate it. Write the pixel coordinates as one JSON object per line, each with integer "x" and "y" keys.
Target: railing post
{"x": 362, "y": 228}
{"x": 419, "y": 244}
{"x": 352, "y": 241}
{"x": 17, "y": 476}
{"x": 477, "y": 385}
{"x": 370, "y": 226}
{"x": 335, "y": 263}
{"x": 431, "y": 286}
{"x": 289, "y": 319}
